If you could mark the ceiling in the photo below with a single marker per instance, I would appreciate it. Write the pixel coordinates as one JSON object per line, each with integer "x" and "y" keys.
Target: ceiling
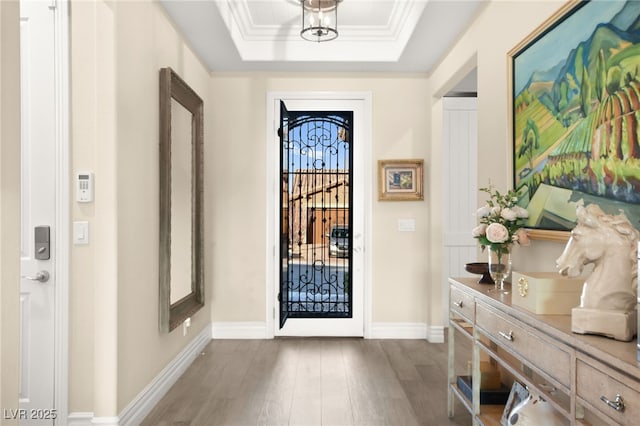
{"x": 374, "y": 35}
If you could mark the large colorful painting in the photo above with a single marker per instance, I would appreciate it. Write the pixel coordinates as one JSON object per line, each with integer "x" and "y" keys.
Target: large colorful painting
{"x": 575, "y": 105}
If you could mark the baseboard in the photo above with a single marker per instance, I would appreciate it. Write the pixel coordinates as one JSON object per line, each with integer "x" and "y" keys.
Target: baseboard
{"x": 385, "y": 330}
{"x": 106, "y": 421}
{"x": 87, "y": 419}
{"x": 80, "y": 419}
{"x": 435, "y": 334}
{"x": 392, "y": 330}
{"x": 144, "y": 402}
{"x": 239, "y": 330}
{"x": 398, "y": 330}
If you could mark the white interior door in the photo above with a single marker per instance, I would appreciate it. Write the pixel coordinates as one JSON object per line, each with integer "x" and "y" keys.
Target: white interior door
{"x": 353, "y": 326}
{"x": 38, "y": 213}
{"x": 460, "y": 151}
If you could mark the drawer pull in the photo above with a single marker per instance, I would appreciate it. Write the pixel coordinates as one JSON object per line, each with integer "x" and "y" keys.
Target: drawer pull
{"x": 508, "y": 336}
{"x": 617, "y": 404}
{"x": 458, "y": 304}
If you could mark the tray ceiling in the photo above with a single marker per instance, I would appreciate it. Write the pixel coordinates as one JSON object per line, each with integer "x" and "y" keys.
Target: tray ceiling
{"x": 375, "y": 35}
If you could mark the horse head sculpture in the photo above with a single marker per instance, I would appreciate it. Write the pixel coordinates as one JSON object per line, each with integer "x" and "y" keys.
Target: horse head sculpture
{"x": 611, "y": 244}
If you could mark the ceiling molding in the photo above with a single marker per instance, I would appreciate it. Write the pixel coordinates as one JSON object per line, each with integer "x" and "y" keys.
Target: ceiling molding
{"x": 280, "y": 40}
{"x": 375, "y": 35}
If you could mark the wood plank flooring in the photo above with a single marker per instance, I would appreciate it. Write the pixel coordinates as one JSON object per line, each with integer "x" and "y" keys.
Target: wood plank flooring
{"x": 312, "y": 381}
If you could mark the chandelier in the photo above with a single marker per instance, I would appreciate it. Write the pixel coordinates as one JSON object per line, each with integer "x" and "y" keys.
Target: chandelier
{"x": 319, "y": 20}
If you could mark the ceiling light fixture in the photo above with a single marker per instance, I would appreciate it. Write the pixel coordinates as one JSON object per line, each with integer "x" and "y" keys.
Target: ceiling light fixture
{"x": 319, "y": 20}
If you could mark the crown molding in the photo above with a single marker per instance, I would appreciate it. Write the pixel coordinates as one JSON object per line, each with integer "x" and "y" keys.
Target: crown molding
{"x": 282, "y": 42}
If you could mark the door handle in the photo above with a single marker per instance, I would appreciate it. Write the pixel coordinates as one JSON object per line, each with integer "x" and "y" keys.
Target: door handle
{"x": 42, "y": 276}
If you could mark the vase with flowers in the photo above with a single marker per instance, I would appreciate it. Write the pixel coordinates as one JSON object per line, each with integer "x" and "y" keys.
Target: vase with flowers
{"x": 500, "y": 226}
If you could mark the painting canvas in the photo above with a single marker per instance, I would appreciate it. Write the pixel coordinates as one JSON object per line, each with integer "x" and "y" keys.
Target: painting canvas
{"x": 575, "y": 106}
{"x": 401, "y": 180}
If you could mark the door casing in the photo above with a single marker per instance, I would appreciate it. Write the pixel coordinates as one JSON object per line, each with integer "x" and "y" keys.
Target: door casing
{"x": 63, "y": 168}
{"x": 362, "y": 100}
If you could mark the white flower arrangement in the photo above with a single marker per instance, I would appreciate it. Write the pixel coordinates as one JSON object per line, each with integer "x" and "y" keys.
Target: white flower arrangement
{"x": 501, "y": 221}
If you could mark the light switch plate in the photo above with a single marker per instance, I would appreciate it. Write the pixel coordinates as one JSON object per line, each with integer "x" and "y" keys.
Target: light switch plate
{"x": 406, "y": 225}
{"x": 80, "y": 233}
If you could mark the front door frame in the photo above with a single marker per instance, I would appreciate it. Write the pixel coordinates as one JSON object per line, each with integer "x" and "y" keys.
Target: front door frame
{"x": 62, "y": 73}
{"x": 273, "y": 205}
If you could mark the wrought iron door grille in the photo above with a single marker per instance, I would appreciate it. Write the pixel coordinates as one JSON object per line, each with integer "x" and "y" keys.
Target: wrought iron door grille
{"x": 316, "y": 241}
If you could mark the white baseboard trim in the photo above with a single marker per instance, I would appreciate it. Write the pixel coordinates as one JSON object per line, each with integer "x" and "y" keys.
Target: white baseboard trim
{"x": 435, "y": 334}
{"x": 80, "y": 419}
{"x": 239, "y": 330}
{"x": 87, "y": 419}
{"x": 106, "y": 421}
{"x": 398, "y": 330}
{"x": 144, "y": 402}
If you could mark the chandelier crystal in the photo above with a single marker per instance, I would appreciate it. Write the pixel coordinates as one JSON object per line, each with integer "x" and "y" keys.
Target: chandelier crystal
{"x": 319, "y": 20}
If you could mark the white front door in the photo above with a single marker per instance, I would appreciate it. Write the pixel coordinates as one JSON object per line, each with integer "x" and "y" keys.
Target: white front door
{"x": 38, "y": 156}
{"x": 353, "y": 326}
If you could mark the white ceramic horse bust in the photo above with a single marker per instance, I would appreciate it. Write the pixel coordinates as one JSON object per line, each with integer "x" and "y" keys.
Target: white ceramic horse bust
{"x": 609, "y": 294}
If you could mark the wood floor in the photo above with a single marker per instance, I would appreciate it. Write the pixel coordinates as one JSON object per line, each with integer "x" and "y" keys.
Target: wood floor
{"x": 312, "y": 381}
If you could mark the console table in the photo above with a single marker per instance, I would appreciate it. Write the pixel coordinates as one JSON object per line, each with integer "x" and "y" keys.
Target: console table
{"x": 588, "y": 379}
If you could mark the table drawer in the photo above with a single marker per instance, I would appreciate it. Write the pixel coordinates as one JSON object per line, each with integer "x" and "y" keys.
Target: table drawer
{"x": 527, "y": 342}
{"x": 462, "y": 303}
{"x": 597, "y": 386}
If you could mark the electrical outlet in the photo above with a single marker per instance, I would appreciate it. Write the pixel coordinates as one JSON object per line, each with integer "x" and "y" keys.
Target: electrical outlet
{"x": 185, "y": 326}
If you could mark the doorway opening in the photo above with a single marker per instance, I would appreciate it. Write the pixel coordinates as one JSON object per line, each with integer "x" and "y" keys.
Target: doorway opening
{"x": 316, "y": 171}
{"x": 298, "y": 247}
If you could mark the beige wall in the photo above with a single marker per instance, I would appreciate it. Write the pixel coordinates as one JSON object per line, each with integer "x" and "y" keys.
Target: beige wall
{"x": 400, "y": 129}
{"x": 500, "y": 27}
{"x": 116, "y": 348}
{"x": 9, "y": 204}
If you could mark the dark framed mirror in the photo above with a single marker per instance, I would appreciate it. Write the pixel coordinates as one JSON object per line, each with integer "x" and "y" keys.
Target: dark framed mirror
{"x": 181, "y": 268}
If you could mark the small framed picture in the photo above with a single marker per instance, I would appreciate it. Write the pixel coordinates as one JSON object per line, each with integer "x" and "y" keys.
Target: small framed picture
{"x": 400, "y": 180}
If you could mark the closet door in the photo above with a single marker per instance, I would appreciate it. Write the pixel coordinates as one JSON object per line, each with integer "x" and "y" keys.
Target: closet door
{"x": 460, "y": 148}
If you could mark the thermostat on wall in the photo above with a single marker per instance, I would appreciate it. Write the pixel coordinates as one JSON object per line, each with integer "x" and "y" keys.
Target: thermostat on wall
{"x": 84, "y": 187}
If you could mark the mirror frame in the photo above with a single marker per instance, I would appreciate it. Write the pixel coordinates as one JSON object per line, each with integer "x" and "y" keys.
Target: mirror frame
{"x": 172, "y": 315}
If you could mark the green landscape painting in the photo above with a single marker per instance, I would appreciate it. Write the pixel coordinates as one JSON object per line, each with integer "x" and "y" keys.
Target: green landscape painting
{"x": 576, "y": 112}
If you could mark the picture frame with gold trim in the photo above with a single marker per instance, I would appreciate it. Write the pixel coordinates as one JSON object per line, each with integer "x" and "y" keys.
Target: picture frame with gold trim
{"x": 401, "y": 180}
{"x": 572, "y": 115}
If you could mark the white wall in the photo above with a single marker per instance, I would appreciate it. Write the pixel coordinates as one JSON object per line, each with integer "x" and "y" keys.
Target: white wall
{"x": 500, "y": 27}
{"x": 9, "y": 204}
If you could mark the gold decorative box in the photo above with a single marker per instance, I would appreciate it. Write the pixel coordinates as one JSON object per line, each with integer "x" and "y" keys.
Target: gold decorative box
{"x": 546, "y": 293}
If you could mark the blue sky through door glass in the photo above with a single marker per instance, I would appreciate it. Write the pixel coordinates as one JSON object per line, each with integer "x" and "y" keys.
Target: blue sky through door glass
{"x": 314, "y": 147}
